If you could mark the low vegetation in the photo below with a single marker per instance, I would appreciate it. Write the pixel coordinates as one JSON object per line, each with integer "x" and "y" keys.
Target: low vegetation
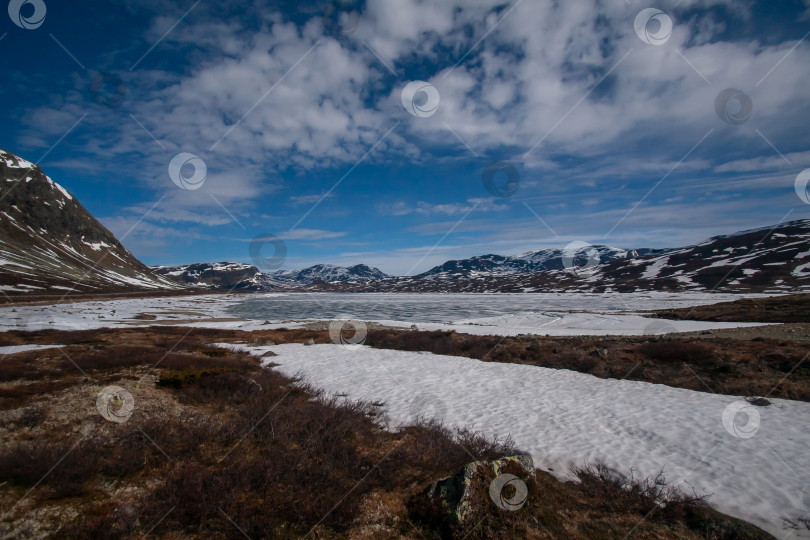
{"x": 792, "y": 308}
{"x": 218, "y": 447}
{"x": 747, "y": 367}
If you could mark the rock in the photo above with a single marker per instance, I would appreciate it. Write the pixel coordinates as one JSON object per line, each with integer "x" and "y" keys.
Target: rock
{"x": 268, "y": 354}
{"x": 309, "y": 342}
{"x": 601, "y": 353}
{"x": 758, "y": 401}
{"x": 262, "y": 342}
{"x": 255, "y": 386}
{"x": 414, "y": 327}
{"x": 461, "y": 496}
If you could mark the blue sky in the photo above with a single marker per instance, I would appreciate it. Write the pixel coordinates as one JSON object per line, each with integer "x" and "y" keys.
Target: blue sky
{"x": 296, "y": 109}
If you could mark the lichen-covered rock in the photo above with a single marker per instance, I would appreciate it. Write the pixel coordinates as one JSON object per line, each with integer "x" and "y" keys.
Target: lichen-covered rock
{"x": 460, "y": 498}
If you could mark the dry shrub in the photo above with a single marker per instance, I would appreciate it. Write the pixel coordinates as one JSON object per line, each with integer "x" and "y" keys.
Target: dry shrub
{"x": 429, "y": 450}
{"x": 437, "y": 342}
{"x": 659, "y": 502}
{"x": 59, "y": 464}
{"x": 289, "y": 458}
{"x": 678, "y": 351}
{"x": 577, "y": 360}
{"x": 618, "y": 492}
{"x": 16, "y": 395}
{"x": 31, "y": 365}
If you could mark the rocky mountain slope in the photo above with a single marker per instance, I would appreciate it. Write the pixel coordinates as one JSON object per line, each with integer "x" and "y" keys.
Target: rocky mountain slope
{"x": 328, "y": 273}
{"x": 49, "y": 243}
{"x": 240, "y": 276}
{"x": 772, "y": 259}
{"x": 532, "y": 261}
{"x": 224, "y": 275}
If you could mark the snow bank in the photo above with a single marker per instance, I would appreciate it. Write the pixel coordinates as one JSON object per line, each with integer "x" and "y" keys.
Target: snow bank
{"x": 12, "y": 349}
{"x": 563, "y": 417}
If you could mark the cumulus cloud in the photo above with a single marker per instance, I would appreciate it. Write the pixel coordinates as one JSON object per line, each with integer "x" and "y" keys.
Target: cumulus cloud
{"x": 565, "y": 88}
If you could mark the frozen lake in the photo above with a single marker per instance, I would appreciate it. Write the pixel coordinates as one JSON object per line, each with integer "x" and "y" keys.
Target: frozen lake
{"x": 496, "y": 314}
{"x": 443, "y": 308}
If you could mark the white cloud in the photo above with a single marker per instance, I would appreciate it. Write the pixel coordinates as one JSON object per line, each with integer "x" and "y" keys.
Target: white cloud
{"x": 290, "y": 97}
{"x": 400, "y": 208}
{"x": 310, "y": 234}
{"x": 298, "y": 200}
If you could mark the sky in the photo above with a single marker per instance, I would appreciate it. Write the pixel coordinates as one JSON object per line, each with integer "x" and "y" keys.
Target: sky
{"x": 403, "y": 133}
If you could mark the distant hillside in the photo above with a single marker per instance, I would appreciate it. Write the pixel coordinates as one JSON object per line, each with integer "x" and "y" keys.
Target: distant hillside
{"x": 771, "y": 259}
{"x": 240, "y": 276}
{"x": 49, "y": 243}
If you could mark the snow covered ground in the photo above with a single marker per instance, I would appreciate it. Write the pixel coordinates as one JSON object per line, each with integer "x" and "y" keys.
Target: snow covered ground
{"x": 497, "y": 314}
{"x": 13, "y": 349}
{"x": 753, "y": 461}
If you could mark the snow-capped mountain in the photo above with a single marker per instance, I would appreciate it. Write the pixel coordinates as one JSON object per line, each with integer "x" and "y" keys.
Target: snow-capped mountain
{"x": 240, "y": 276}
{"x": 493, "y": 265}
{"x": 771, "y": 259}
{"x": 328, "y": 273}
{"x": 49, "y": 243}
{"x": 223, "y": 275}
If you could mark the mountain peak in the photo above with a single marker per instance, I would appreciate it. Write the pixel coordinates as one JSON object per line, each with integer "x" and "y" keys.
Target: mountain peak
{"x": 51, "y": 244}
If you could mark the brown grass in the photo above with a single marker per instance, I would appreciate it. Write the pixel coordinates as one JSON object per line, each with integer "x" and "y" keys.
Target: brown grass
{"x": 243, "y": 445}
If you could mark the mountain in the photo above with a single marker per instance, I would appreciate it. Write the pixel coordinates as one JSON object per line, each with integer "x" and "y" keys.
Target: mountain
{"x": 328, "y": 273}
{"x": 224, "y": 275}
{"x": 239, "y": 276}
{"x": 771, "y": 259}
{"x": 533, "y": 261}
{"x": 50, "y": 244}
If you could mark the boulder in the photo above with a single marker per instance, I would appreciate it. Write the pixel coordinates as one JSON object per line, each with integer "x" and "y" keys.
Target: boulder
{"x": 476, "y": 489}
{"x": 262, "y": 342}
{"x": 268, "y": 354}
{"x": 309, "y": 342}
{"x": 600, "y": 352}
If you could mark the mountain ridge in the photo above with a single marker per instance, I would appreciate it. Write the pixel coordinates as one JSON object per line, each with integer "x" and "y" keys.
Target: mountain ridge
{"x": 743, "y": 261}
{"x": 49, "y": 243}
